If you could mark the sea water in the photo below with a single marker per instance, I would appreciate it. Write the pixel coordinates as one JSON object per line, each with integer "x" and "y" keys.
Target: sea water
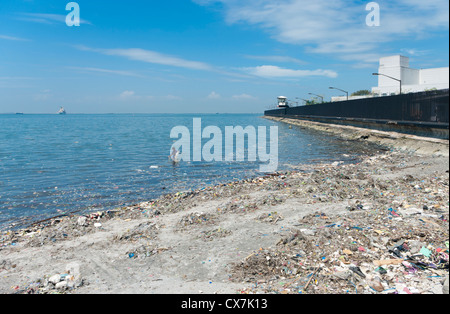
{"x": 52, "y": 165}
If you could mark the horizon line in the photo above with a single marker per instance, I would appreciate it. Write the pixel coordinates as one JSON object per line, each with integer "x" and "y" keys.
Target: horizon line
{"x": 112, "y": 113}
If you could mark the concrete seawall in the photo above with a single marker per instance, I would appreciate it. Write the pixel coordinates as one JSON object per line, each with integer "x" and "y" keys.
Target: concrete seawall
{"x": 421, "y": 114}
{"x": 405, "y": 142}
{"x": 434, "y": 130}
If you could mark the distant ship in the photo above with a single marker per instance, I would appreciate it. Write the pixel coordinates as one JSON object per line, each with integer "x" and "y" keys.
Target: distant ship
{"x": 62, "y": 111}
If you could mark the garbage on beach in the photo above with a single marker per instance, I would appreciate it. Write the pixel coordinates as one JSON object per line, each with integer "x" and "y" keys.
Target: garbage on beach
{"x": 352, "y": 260}
{"x": 386, "y": 236}
{"x": 60, "y": 283}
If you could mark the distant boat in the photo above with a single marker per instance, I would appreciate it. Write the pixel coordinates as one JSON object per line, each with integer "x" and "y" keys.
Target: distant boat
{"x": 62, "y": 111}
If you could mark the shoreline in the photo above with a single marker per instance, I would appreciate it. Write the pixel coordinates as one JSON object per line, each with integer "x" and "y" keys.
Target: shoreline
{"x": 294, "y": 232}
{"x": 393, "y": 140}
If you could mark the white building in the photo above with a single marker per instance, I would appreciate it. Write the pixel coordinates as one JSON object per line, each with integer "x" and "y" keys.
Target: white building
{"x": 344, "y": 98}
{"x": 412, "y": 80}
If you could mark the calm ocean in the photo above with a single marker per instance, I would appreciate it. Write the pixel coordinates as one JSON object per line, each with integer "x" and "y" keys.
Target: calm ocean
{"x": 52, "y": 165}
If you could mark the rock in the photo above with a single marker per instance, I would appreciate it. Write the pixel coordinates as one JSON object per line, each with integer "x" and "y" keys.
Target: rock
{"x": 412, "y": 211}
{"x": 82, "y": 221}
{"x": 376, "y": 284}
{"x": 308, "y": 232}
{"x": 415, "y": 246}
{"x": 344, "y": 275}
{"x": 61, "y": 285}
{"x": 437, "y": 289}
{"x": 55, "y": 279}
{"x": 74, "y": 270}
{"x": 445, "y": 287}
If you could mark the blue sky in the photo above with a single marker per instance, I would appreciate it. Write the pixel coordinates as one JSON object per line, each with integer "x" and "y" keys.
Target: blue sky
{"x": 204, "y": 56}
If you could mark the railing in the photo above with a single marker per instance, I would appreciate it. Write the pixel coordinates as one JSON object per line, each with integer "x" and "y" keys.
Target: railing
{"x": 425, "y": 107}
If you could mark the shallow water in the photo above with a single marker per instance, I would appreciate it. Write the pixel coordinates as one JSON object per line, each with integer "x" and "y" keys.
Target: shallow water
{"x": 52, "y": 165}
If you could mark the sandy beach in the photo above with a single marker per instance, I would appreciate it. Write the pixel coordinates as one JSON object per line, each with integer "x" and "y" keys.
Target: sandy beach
{"x": 377, "y": 226}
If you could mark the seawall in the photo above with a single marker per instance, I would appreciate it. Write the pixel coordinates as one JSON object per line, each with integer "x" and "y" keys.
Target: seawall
{"x": 394, "y": 140}
{"x": 423, "y": 114}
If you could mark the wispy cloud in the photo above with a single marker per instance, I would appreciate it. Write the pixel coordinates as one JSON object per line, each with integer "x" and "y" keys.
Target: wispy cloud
{"x": 131, "y": 95}
{"x": 416, "y": 52}
{"x": 172, "y": 98}
{"x": 45, "y": 18}
{"x": 278, "y": 59}
{"x": 157, "y": 58}
{"x": 13, "y": 38}
{"x": 271, "y": 71}
{"x": 18, "y": 78}
{"x": 106, "y": 71}
{"x": 244, "y": 97}
{"x": 127, "y": 94}
{"x": 153, "y": 57}
{"x": 338, "y": 27}
{"x": 214, "y": 95}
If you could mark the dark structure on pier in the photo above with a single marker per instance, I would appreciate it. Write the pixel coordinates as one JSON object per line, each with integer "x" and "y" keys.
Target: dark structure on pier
{"x": 424, "y": 114}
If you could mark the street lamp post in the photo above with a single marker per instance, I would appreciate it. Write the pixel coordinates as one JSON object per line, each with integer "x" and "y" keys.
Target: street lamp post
{"x": 317, "y": 96}
{"x": 378, "y": 74}
{"x": 340, "y": 90}
{"x": 305, "y": 100}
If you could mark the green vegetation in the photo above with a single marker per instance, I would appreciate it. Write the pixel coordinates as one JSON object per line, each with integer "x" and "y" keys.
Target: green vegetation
{"x": 363, "y": 92}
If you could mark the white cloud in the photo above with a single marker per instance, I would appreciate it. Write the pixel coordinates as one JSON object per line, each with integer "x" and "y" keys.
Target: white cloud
{"x": 244, "y": 97}
{"x": 13, "y": 38}
{"x": 338, "y": 27}
{"x": 213, "y": 95}
{"x": 106, "y": 71}
{"x": 267, "y": 71}
{"x": 127, "y": 94}
{"x": 172, "y": 97}
{"x": 416, "y": 52}
{"x": 155, "y": 58}
{"x": 280, "y": 59}
{"x": 44, "y": 18}
{"x": 130, "y": 95}
{"x": 270, "y": 71}
{"x": 9, "y": 78}
{"x": 150, "y": 56}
